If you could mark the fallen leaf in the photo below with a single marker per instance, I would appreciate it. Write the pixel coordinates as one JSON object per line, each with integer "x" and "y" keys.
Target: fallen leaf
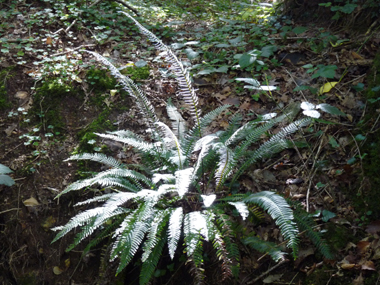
{"x": 232, "y": 101}
{"x": 272, "y": 278}
{"x": 31, "y": 202}
{"x": 368, "y": 265}
{"x": 49, "y": 41}
{"x": 356, "y": 55}
{"x": 347, "y": 266}
{"x": 57, "y": 270}
{"x": 21, "y": 95}
{"x": 363, "y": 246}
{"x": 327, "y": 87}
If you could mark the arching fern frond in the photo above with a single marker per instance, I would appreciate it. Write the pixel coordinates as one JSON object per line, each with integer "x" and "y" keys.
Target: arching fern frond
{"x": 186, "y": 90}
{"x": 133, "y": 90}
{"x": 281, "y": 213}
{"x": 97, "y": 157}
{"x": 101, "y": 179}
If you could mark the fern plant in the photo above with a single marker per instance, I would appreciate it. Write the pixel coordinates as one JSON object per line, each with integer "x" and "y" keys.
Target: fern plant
{"x": 182, "y": 192}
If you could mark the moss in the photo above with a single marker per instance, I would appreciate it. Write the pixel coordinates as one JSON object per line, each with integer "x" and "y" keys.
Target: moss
{"x": 100, "y": 124}
{"x": 48, "y": 100}
{"x": 136, "y": 73}
{"x": 4, "y": 97}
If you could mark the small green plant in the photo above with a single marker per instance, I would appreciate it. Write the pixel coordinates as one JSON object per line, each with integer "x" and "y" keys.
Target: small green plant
{"x": 4, "y": 178}
{"x": 186, "y": 188}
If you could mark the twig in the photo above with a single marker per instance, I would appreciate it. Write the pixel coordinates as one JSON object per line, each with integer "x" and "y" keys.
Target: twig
{"x": 128, "y": 6}
{"x": 13, "y": 209}
{"x": 74, "y": 49}
{"x": 268, "y": 271}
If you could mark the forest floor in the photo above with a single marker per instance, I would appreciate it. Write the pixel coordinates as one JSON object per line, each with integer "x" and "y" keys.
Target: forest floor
{"x": 53, "y": 97}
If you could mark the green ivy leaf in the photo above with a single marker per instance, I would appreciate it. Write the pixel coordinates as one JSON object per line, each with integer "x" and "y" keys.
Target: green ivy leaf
{"x": 246, "y": 60}
{"x": 268, "y": 51}
{"x": 327, "y": 215}
{"x": 325, "y": 71}
{"x": 299, "y": 30}
{"x": 191, "y": 54}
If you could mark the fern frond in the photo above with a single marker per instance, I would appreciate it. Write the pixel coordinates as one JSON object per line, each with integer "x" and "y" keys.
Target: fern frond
{"x": 186, "y": 90}
{"x": 97, "y": 157}
{"x": 226, "y": 157}
{"x": 131, "y": 233}
{"x": 155, "y": 233}
{"x": 95, "y": 223}
{"x": 242, "y": 208}
{"x": 148, "y": 267}
{"x": 133, "y": 90}
{"x": 274, "y": 145}
{"x": 142, "y": 146}
{"x": 101, "y": 179}
{"x": 265, "y": 247}
{"x": 171, "y": 140}
{"x": 281, "y": 213}
{"x": 194, "y": 134}
{"x": 183, "y": 180}
{"x": 77, "y": 221}
{"x": 174, "y": 230}
{"x": 306, "y": 224}
{"x": 194, "y": 226}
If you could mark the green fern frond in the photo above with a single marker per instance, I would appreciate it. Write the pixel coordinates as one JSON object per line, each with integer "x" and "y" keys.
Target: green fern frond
{"x": 131, "y": 233}
{"x": 174, "y": 230}
{"x": 306, "y": 224}
{"x": 265, "y": 247}
{"x": 274, "y": 145}
{"x": 97, "y": 157}
{"x": 242, "y": 208}
{"x": 281, "y": 213}
{"x": 77, "y": 221}
{"x": 148, "y": 267}
{"x": 186, "y": 90}
{"x": 157, "y": 227}
{"x": 95, "y": 223}
{"x": 194, "y": 134}
{"x": 226, "y": 158}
